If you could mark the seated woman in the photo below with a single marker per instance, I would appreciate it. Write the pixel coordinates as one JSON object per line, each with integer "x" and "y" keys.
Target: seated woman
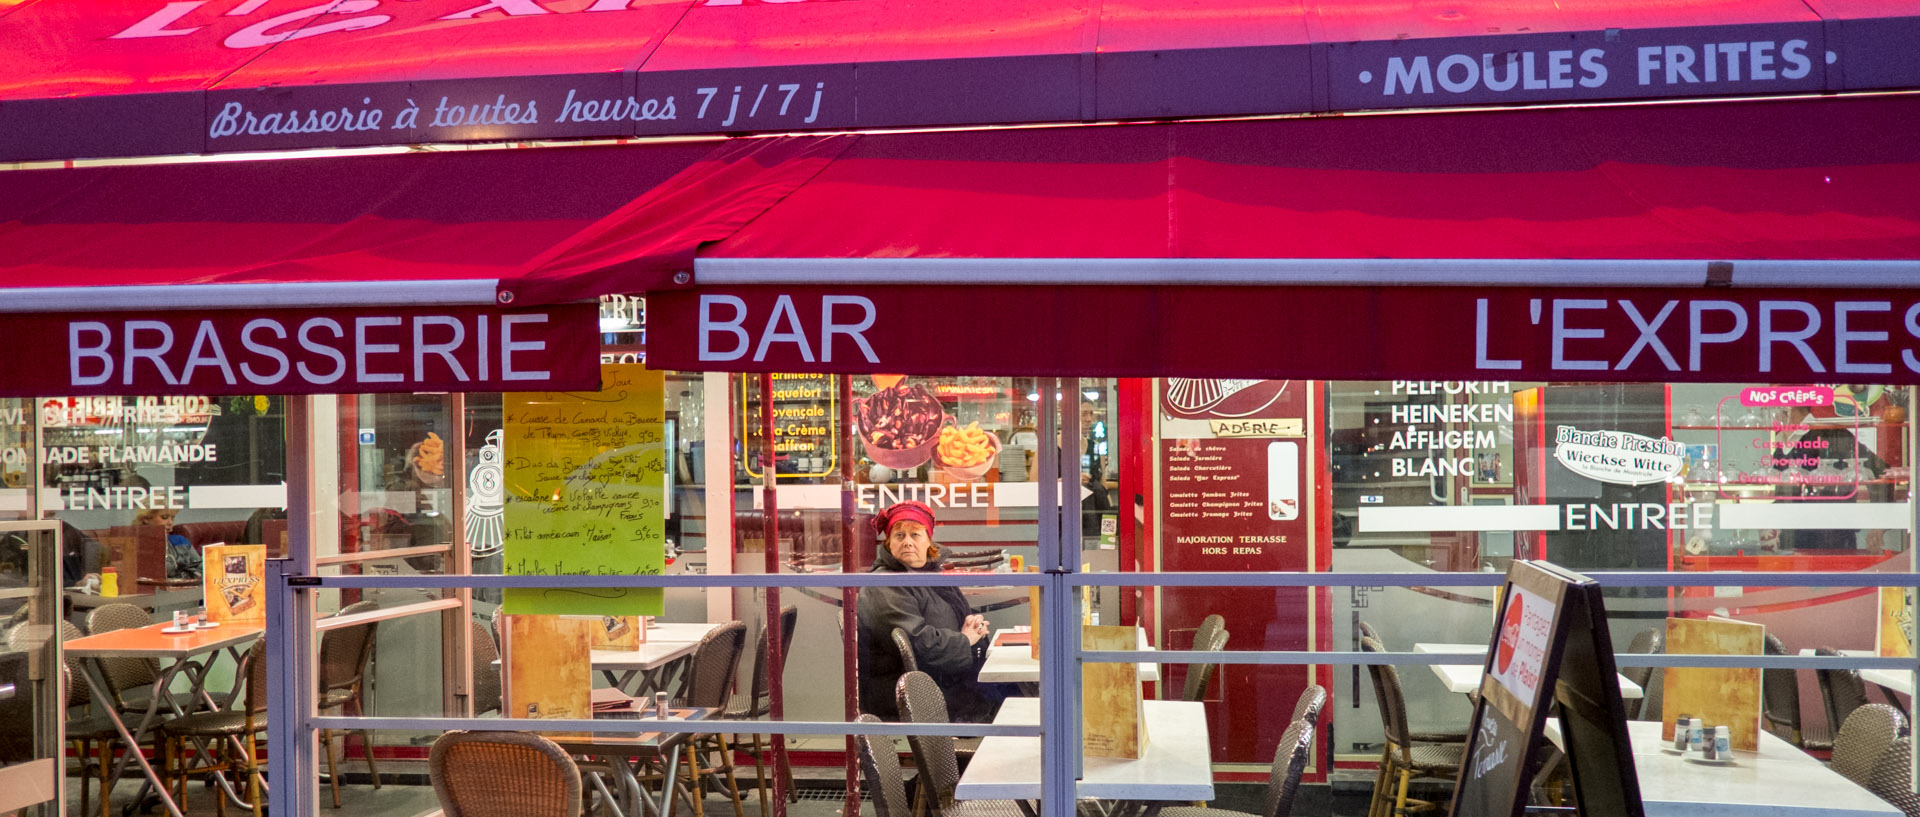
{"x": 949, "y": 639}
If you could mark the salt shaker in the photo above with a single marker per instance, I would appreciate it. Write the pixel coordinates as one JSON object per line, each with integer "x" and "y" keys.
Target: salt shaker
{"x": 1723, "y": 743}
{"x": 1696, "y": 736}
{"x": 660, "y": 705}
{"x": 1680, "y": 733}
{"x": 180, "y": 620}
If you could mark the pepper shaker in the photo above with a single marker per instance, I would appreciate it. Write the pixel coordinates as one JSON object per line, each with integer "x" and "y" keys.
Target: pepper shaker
{"x": 660, "y": 705}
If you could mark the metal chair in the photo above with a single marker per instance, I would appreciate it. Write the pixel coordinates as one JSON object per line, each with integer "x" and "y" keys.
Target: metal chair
{"x": 221, "y": 730}
{"x": 129, "y": 680}
{"x": 903, "y": 644}
{"x": 759, "y": 704}
{"x": 344, "y": 655}
{"x": 1283, "y": 778}
{"x": 1892, "y": 777}
{"x": 1646, "y": 642}
{"x": 1199, "y": 676}
{"x": 880, "y": 765}
{"x": 1404, "y": 759}
{"x": 710, "y": 684}
{"x": 1865, "y": 735}
{"x": 1842, "y": 691}
{"x": 1780, "y": 695}
{"x": 503, "y": 774}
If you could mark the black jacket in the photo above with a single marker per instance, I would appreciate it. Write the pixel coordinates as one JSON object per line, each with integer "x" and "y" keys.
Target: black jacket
{"x": 932, "y": 617}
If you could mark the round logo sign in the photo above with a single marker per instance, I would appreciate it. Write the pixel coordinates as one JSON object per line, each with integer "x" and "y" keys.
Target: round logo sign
{"x": 1509, "y": 634}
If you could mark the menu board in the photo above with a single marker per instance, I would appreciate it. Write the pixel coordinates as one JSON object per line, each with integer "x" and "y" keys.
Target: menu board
{"x": 233, "y": 579}
{"x": 1552, "y": 646}
{"x": 1233, "y": 459}
{"x": 806, "y": 436}
{"x": 585, "y": 476}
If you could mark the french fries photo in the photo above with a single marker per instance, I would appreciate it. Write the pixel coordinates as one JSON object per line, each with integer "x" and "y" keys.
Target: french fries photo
{"x": 965, "y": 447}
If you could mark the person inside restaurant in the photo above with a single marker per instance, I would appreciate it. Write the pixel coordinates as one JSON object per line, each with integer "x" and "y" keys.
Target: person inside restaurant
{"x": 948, "y": 639}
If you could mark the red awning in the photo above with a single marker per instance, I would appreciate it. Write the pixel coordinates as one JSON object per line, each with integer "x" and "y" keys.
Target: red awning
{"x": 84, "y": 78}
{"x": 1804, "y": 180}
{"x": 463, "y": 215}
{"x": 1797, "y": 180}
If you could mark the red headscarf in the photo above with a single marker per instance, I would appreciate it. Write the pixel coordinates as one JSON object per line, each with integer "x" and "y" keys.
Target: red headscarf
{"x": 910, "y": 510}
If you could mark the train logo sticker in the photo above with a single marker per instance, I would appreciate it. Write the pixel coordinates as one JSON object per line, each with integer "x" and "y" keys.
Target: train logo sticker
{"x": 487, "y": 500}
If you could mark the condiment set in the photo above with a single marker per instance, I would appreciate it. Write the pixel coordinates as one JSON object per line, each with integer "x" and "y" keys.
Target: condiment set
{"x": 1711, "y": 743}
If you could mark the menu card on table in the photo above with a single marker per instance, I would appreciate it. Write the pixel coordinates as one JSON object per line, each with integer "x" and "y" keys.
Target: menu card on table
{"x": 548, "y": 671}
{"x": 1720, "y": 696}
{"x": 1114, "y": 725}
{"x": 233, "y": 578}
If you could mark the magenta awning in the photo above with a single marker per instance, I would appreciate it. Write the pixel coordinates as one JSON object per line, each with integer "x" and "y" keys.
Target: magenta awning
{"x": 84, "y": 78}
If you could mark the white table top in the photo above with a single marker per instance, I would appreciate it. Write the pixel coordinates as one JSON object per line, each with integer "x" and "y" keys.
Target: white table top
{"x": 1465, "y": 678}
{"x": 665, "y": 643}
{"x": 680, "y": 631}
{"x": 1900, "y": 681}
{"x": 1178, "y": 762}
{"x": 1777, "y": 781}
{"x": 1016, "y": 665}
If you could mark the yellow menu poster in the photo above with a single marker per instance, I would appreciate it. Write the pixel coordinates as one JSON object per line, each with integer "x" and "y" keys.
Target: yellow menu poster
{"x": 585, "y": 493}
{"x": 1896, "y": 622}
{"x": 233, "y": 578}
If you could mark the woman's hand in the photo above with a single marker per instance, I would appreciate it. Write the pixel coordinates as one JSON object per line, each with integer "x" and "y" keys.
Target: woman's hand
{"x": 974, "y": 628}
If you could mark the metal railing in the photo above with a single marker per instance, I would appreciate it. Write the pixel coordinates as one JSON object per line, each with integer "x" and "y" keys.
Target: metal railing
{"x": 294, "y": 721}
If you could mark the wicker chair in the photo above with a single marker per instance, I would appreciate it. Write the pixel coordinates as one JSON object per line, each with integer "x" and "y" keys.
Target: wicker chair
{"x": 759, "y": 704}
{"x": 903, "y": 644}
{"x": 344, "y": 654}
{"x": 1199, "y": 676}
{"x": 935, "y": 757}
{"x": 1404, "y": 758}
{"x": 503, "y": 774}
{"x": 1283, "y": 779}
{"x": 1865, "y": 735}
{"x": 1370, "y": 644}
{"x": 710, "y": 683}
{"x": 1842, "y": 691}
{"x": 129, "y": 680}
{"x": 1892, "y": 777}
{"x": 880, "y": 765}
{"x": 84, "y": 728}
{"x": 1780, "y": 696}
{"x": 1653, "y": 693}
{"x": 1367, "y": 631}
{"x": 486, "y": 676}
{"x": 221, "y": 729}
{"x": 1646, "y": 642}
{"x": 1312, "y": 700}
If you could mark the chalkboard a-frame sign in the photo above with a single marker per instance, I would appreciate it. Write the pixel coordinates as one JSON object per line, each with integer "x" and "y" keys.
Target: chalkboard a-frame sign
{"x": 1550, "y": 645}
